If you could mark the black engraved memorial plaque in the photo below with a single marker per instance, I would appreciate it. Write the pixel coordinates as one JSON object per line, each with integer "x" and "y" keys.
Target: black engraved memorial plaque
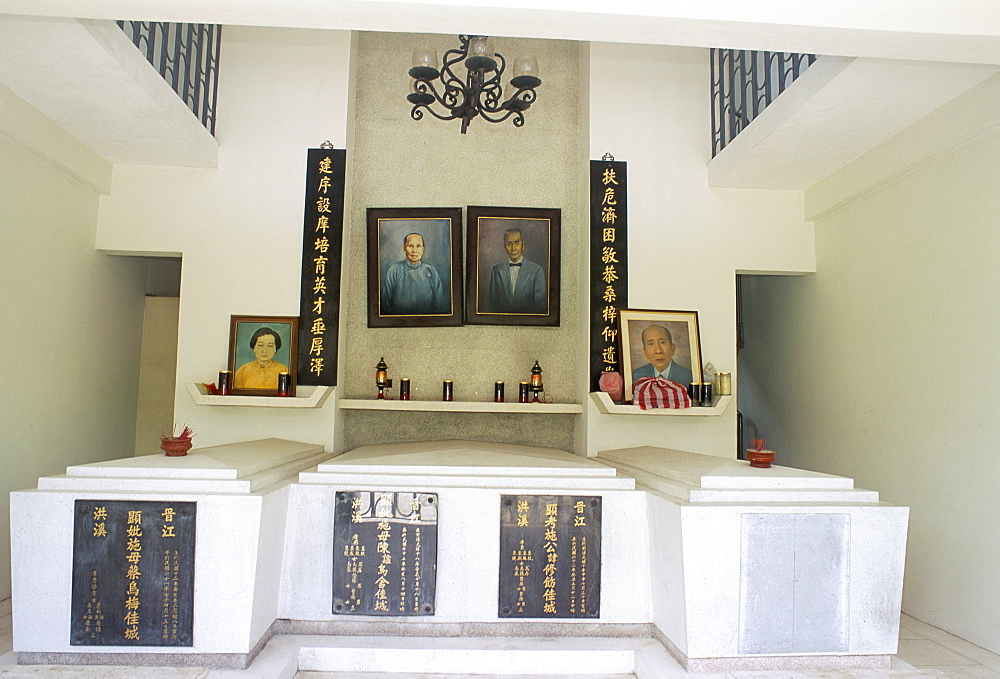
{"x": 384, "y": 553}
{"x": 133, "y": 573}
{"x": 550, "y": 556}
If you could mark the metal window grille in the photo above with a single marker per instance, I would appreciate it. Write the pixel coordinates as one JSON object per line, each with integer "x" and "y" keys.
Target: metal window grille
{"x": 187, "y": 57}
{"x": 744, "y": 83}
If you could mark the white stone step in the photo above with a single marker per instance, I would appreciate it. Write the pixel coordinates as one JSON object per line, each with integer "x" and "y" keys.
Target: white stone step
{"x": 467, "y": 656}
{"x": 410, "y": 675}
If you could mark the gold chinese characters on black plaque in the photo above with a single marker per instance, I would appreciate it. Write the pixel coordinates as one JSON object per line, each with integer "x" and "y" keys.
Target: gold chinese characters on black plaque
{"x": 384, "y": 553}
{"x": 550, "y": 556}
{"x": 133, "y": 573}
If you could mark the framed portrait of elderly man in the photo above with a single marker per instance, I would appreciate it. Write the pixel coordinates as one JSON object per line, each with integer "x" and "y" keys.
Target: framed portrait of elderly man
{"x": 512, "y": 265}
{"x": 414, "y": 267}
{"x": 260, "y": 348}
{"x": 663, "y": 344}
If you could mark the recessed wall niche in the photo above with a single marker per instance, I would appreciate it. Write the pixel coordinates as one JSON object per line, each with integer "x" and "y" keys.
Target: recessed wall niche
{"x": 399, "y": 162}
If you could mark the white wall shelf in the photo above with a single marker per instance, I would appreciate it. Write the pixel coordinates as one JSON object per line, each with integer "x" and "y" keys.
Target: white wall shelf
{"x": 305, "y": 397}
{"x": 609, "y": 407}
{"x": 461, "y": 406}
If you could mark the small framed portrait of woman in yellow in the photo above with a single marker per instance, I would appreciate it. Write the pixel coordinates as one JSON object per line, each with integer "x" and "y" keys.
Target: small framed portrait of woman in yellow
{"x": 260, "y": 349}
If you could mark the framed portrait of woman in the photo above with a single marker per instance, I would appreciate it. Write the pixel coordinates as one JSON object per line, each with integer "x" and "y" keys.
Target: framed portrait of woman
{"x": 260, "y": 348}
{"x": 414, "y": 267}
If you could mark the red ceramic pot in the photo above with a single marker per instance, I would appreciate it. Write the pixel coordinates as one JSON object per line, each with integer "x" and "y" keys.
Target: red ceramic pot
{"x": 761, "y": 459}
{"x": 175, "y": 447}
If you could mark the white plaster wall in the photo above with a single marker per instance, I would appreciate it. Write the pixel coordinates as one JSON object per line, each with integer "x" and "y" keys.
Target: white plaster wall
{"x": 239, "y": 227}
{"x": 883, "y": 367}
{"x": 157, "y": 369}
{"x": 71, "y": 318}
{"x": 649, "y": 106}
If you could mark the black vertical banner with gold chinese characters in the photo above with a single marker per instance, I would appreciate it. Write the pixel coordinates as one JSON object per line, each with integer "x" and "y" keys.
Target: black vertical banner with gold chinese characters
{"x": 608, "y": 264}
{"x": 322, "y": 237}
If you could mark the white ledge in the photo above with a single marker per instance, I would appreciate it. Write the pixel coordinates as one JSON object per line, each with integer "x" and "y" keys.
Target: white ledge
{"x": 461, "y": 406}
{"x": 306, "y": 397}
{"x": 609, "y": 407}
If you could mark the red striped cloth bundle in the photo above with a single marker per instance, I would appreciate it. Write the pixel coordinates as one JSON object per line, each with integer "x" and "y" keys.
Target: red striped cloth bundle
{"x": 656, "y": 392}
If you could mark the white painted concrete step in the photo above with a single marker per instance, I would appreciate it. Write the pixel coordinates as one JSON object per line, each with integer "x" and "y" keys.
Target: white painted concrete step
{"x": 464, "y": 656}
{"x": 410, "y": 675}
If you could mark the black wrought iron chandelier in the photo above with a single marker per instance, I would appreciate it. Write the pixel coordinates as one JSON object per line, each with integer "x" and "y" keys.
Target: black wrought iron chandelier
{"x": 481, "y": 93}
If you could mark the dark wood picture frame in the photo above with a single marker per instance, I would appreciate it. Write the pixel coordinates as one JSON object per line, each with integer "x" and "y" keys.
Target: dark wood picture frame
{"x": 427, "y": 292}
{"x": 242, "y": 331}
{"x": 683, "y": 333}
{"x": 494, "y": 234}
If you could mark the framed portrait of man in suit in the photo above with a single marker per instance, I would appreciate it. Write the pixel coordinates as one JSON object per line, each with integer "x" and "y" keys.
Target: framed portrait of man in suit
{"x": 663, "y": 344}
{"x": 512, "y": 260}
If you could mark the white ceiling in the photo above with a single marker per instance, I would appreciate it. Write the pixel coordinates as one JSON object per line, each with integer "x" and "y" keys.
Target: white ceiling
{"x": 932, "y": 30}
{"x": 916, "y": 55}
{"x": 835, "y": 112}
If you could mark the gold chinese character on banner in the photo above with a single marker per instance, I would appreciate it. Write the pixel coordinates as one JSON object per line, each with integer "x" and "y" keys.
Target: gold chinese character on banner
{"x": 609, "y": 255}
{"x": 325, "y": 165}
{"x": 316, "y": 366}
{"x": 610, "y": 313}
{"x": 324, "y": 184}
{"x": 609, "y": 294}
{"x": 318, "y": 326}
{"x": 608, "y": 215}
{"x": 610, "y": 275}
{"x": 608, "y": 234}
{"x": 323, "y": 223}
{"x": 322, "y": 205}
{"x": 609, "y": 177}
{"x": 609, "y": 197}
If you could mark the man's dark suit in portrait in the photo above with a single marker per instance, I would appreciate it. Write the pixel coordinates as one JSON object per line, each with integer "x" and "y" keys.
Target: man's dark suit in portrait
{"x": 518, "y": 285}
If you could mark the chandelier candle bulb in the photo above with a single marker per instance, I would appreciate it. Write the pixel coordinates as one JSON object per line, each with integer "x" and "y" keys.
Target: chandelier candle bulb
{"x": 425, "y": 57}
{"x": 481, "y": 53}
{"x": 448, "y": 391}
{"x": 525, "y": 71}
{"x": 225, "y": 382}
{"x": 404, "y": 389}
{"x": 498, "y": 392}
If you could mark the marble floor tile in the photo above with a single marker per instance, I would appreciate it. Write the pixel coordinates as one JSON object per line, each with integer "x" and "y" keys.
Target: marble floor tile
{"x": 925, "y": 630}
{"x": 925, "y": 653}
{"x": 966, "y": 672}
{"x": 973, "y": 652}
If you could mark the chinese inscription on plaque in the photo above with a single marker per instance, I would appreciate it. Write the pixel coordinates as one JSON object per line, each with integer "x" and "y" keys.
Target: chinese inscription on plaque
{"x": 133, "y": 573}
{"x": 550, "y": 556}
{"x": 384, "y": 553}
